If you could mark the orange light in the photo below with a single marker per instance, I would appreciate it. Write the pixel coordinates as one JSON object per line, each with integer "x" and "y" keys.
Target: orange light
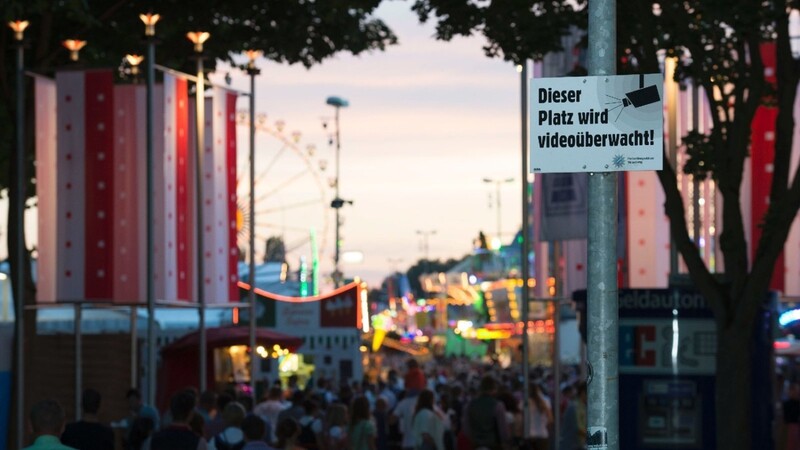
{"x": 149, "y": 21}
{"x": 19, "y": 28}
{"x": 235, "y": 316}
{"x": 74, "y": 46}
{"x": 252, "y": 56}
{"x": 198, "y": 38}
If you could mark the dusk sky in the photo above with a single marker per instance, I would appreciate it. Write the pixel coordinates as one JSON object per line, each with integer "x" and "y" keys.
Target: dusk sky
{"x": 427, "y": 122}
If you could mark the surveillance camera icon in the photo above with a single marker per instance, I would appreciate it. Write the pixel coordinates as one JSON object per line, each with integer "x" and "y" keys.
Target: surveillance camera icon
{"x": 637, "y": 98}
{"x": 641, "y": 97}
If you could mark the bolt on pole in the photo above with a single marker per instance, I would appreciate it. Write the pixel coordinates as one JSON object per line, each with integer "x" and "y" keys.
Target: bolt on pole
{"x": 602, "y": 411}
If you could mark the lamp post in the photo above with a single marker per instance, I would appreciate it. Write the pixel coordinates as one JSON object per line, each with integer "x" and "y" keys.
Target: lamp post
{"x": 18, "y": 204}
{"x": 425, "y": 235}
{"x": 150, "y": 21}
{"x": 198, "y": 38}
{"x": 252, "y": 70}
{"x": 134, "y": 61}
{"x": 498, "y": 183}
{"x": 337, "y": 202}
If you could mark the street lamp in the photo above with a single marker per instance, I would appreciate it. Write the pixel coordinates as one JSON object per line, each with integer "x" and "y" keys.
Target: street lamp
{"x": 18, "y": 206}
{"x": 498, "y": 183}
{"x": 134, "y": 61}
{"x": 74, "y": 46}
{"x": 198, "y": 38}
{"x": 337, "y": 202}
{"x": 252, "y": 70}
{"x": 150, "y": 21}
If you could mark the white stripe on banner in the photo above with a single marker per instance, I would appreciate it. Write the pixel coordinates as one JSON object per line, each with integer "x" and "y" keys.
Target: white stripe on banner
{"x": 159, "y": 258}
{"x": 209, "y": 252}
{"x": 169, "y": 237}
{"x": 46, "y": 188}
{"x": 792, "y": 246}
{"x": 71, "y": 186}
{"x": 220, "y": 197}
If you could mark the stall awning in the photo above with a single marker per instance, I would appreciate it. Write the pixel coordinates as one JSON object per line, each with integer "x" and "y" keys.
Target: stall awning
{"x": 234, "y": 335}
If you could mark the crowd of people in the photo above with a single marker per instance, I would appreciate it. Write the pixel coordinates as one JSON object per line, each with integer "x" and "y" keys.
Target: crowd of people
{"x": 457, "y": 405}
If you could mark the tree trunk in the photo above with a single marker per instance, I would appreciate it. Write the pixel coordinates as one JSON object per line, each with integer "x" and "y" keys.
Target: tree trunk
{"x": 733, "y": 388}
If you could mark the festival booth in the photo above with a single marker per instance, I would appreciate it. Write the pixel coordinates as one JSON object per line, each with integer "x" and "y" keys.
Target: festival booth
{"x": 227, "y": 361}
{"x": 329, "y": 327}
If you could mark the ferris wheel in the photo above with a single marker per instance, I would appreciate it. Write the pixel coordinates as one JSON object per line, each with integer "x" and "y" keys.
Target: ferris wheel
{"x": 290, "y": 194}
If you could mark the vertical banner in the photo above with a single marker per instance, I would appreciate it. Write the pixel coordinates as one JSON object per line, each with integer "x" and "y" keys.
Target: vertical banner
{"x": 130, "y": 194}
{"x": 220, "y": 250}
{"x": 85, "y": 202}
{"x": 46, "y": 189}
{"x": 792, "y": 246}
{"x": 648, "y": 232}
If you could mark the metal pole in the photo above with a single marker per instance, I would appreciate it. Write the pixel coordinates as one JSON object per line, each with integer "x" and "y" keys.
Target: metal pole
{"x": 19, "y": 238}
{"x": 78, "y": 361}
{"x": 695, "y": 179}
{"x": 134, "y": 339}
{"x": 252, "y": 221}
{"x": 497, "y": 200}
{"x": 671, "y": 94}
{"x": 200, "y": 107}
{"x": 526, "y": 411}
{"x": 556, "y": 406}
{"x": 151, "y": 294}
{"x": 337, "y": 275}
{"x": 602, "y": 410}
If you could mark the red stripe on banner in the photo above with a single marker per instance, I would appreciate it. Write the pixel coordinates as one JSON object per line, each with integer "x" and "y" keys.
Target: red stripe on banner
{"x": 761, "y": 160}
{"x": 181, "y": 180}
{"x": 233, "y": 249}
{"x": 99, "y": 163}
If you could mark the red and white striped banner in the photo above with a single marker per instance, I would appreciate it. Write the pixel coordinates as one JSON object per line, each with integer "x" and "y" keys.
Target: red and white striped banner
{"x": 83, "y": 183}
{"x": 648, "y": 232}
{"x": 221, "y": 253}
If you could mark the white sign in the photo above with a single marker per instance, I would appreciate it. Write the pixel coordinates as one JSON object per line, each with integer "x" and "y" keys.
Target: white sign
{"x": 597, "y": 124}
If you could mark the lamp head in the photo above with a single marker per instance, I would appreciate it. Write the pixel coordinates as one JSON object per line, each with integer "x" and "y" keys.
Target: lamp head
{"x": 198, "y": 38}
{"x": 337, "y": 102}
{"x": 252, "y": 56}
{"x": 134, "y": 61}
{"x": 19, "y": 28}
{"x": 149, "y": 21}
{"x": 74, "y": 46}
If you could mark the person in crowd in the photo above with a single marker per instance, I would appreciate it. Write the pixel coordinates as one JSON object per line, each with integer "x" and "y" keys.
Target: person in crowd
{"x": 513, "y": 417}
{"x": 362, "y": 430}
{"x": 541, "y": 416}
{"x": 428, "y": 426}
{"x": 403, "y": 415}
{"x": 310, "y": 427}
{"x": 232, "y": 437}
{"x": 287, "y": 433}
{"x": 270, "y": 408}
{"x": 381, "y": 416}
{"x": 141, "y": 429}
{"x": 415, "y": 377}
{"x": 573, "y": 428}
{"x": 295, "y": 410}
{"x": 207, "y": 405}
{"x": 254, "y": 429}
{"x": 484, "y": 420}
{"x": 451, "y": 420}
{"x": 137, "y": 408}
{"x": 178, "y": 435}
{"x": 88, "y": 433}
{"x": 791, "y": 417}
{"x": 216, "y": 425}
{"x": 334, "y": 434}
{"x": 292, "y": 386}
{"x": 47, "y": 422}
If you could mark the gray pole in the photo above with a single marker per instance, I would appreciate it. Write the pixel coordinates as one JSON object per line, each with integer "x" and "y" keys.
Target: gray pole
{"x": 252, "y": 71}
{"x": 695, "y": 179}
{"x": 556, "y": 405}
{"x": 200, "y": 102}
{"x": 19, "y": 238}
{"x": 526, "y": 411}
{"x": 337, "y": 274}
{"x": 603, "y": 388}
{"x": 151, "y": 294}
{"x": 78, "y": 360}
{"x": 134, "y": 338}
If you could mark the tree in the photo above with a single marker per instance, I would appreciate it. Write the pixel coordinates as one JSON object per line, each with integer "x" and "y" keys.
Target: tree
{"x": 426, "y": 266}
{"x": 721, "y": 40}
{"x": 293, "y": 31}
